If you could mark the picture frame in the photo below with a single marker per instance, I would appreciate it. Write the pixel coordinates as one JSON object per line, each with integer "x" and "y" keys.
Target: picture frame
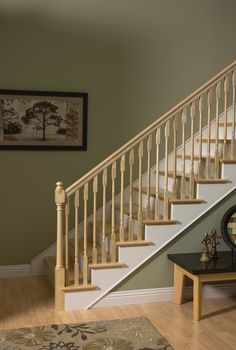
{"x": 43, "y": 120}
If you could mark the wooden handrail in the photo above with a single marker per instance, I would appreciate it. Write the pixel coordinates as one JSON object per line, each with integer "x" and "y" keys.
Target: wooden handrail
{"x": 139, "y": 137}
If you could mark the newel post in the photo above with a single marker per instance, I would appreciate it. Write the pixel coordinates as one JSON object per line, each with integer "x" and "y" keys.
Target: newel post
{"x": 60, "y": 199}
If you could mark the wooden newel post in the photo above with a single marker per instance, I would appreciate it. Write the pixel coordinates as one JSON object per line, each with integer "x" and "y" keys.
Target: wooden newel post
{"x": 60, "y": 199}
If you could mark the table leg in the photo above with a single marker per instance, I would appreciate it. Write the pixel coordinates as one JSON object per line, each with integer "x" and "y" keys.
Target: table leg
{"x": 197, "y": 298}
{"x": 178, "y": 285}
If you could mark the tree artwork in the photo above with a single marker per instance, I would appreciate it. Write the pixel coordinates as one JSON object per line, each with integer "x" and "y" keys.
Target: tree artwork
{"x": 41, "y": 115}
{"x": 11, "y": 121}
{"x": 72, "y": 127}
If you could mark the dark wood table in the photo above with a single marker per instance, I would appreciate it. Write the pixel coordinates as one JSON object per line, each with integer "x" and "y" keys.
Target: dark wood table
{"x": 189, "y": 264}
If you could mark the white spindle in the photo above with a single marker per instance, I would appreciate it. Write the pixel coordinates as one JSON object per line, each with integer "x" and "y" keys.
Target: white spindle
{"x": 233, "y": 142}
{"x": 113, "y": 234}
{"x": 192, "y": 182}
{"x": 166, "y": 197}
{"x": 208, "y": 159}
{"x": 217, "y": 159}
{"x": 85, "y": 258}
{"x": 201, "y": 108}
{"x": 157, "y": 200}
{"x": 122, "y": 170}
{"x": 131, "y": 221}
{"x": 95, "y": 190}
{"x": 104, "y": 240}
{"x": 183, "y": 181}
{"x": 226, "y": 89}
{"x": 76, "y": 261}
{"x": 140, "y": 208}
{"x": 174, "y": 183}
{"x": 149, "y": 148}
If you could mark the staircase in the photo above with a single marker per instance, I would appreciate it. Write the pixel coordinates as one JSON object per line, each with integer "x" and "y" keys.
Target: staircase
{"x": 136, "y": 201}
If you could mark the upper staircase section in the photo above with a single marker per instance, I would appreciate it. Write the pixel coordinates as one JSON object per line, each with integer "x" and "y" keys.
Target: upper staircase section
{"x": 136, "y": 186}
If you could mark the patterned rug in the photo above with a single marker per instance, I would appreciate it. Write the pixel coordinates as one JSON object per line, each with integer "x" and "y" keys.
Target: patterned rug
{"x": 127, "y": 334}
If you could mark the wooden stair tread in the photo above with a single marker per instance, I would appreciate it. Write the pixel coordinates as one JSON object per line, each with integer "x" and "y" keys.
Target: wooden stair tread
{"x": 107, "y": 265}
{"x": 228, "y": 124}
{"x": 80, "y": 287}
{"x": 153, "y": 191}
{"x": 135, "y": 210}
{"x": 214, "y": 140}
{"x": 188, "y": 157}
{"x": 108, "y": 228}
{"x": 228, "y": 161}
{"x": 178, "y": 174}
{"x": 160, "y": 222}
{"x": 134, "y": 243}
{"x": 186, "y": 201}
{"x": 211, "y": 181}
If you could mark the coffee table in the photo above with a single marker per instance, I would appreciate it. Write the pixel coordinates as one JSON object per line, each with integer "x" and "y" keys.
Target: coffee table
{"x": 189, "y": 264}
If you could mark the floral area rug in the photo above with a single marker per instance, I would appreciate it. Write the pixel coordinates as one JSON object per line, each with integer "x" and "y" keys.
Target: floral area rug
{"x": 127, "y": 334}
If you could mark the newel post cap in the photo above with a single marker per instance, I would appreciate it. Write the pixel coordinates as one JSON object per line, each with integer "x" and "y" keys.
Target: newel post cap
{"x": 60, "y": 194}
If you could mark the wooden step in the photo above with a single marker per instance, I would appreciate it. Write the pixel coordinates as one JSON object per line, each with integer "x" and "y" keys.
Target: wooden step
{"x": 81, "y": 246}
{"x": 187, "y": 201}
{"x": 108, "y": 228}
{"x": 134, "y": 243}
{"x": 178, "y": 174}
{"x": 135, "y": 210}
{"x": 214, "y": 141}
{"x": 188, "y": 157}
{"x": 160, "y": 222}
{"x": 228, "y": 161}
{"x": 153, "y": 192}
{"x": 108, "y": 265}
{"x": 228, "y": 124}
{"x": 80, "y": 287}
{"x": 211, "y": 181}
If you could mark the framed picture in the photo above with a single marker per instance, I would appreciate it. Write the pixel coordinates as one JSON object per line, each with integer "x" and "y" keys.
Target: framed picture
{"x": 43, "y": 120}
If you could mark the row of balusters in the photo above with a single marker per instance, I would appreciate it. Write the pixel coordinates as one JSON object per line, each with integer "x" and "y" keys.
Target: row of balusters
{"x": 183, "y": 126}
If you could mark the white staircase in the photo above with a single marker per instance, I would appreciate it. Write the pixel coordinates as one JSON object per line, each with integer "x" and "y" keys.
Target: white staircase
{"x": 134, "y": 203}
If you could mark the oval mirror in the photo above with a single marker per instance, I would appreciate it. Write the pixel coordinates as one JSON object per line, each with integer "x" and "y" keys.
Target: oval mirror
{"x": 228, "y": 227}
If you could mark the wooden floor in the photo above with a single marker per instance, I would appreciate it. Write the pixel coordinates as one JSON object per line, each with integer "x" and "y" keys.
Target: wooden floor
{"x": 29, "y": 302}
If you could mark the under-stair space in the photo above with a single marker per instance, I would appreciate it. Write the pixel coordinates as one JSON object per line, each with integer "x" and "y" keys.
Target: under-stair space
{"x": 126, "y": 209}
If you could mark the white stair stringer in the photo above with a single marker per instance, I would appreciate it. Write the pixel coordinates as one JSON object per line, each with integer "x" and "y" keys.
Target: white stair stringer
{"x": 160, "y": 236}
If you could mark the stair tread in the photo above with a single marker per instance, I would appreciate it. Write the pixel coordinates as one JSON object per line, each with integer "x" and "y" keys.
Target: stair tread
{"x": 108, "y": 228}
{"x": 228, "y": 161}
{"x": 186, "y": 201}
{"x": 107, "y": 265}
{"x": 195, "y": 157}
{"x": 160, "y": 222}
{"x": 153, "y": 191}
{"x": 228, "y": 123}
{"x": 80, "y": 287}
{"x": 211, "y": 181}
{"x": 214, "y": 140}
{"x": 134, "y": 243}
{"x": 178, "y": 174}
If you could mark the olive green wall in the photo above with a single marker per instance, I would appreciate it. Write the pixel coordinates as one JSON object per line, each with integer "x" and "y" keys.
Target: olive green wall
{"x": 135, "y": 59}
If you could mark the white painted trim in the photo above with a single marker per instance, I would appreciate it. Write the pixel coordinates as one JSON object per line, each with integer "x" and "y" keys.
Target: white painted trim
{"x": 155, "y": 295}
{"x": 7, "y": 271}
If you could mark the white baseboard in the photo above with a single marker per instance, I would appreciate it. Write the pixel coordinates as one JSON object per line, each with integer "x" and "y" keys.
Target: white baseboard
{"x": 154, "y": 295}
{"x": 15, "y": 271}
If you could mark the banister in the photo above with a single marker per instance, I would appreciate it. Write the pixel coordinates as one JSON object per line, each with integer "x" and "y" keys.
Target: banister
{"x": 147, "y": 131}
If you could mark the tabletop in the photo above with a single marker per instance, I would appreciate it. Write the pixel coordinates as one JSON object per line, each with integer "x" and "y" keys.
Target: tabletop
{"x": 226, "y": 262}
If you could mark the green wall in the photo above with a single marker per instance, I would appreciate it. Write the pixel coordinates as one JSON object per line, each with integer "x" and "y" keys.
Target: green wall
{"x": 135, "y": 59}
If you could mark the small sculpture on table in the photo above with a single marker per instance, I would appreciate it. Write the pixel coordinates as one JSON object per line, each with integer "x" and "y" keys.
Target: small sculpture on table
{"x": 205, "y": 250}
{"x": 214, "y": 240}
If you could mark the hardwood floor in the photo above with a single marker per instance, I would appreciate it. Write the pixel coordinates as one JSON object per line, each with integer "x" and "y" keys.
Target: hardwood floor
{"x": 28, "y": 301}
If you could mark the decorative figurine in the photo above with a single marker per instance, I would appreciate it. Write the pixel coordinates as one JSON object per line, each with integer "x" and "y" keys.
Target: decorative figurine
{"x": 214, "y": 240}
{"x": 205, "y": 251}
